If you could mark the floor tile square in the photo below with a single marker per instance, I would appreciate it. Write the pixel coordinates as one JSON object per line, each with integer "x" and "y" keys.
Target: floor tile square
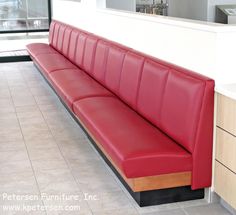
{"x": 18, "y": 183}
{"x": 52, "y": 153}
{"x": 109, "y": 201}
{"x": 19, "y": 166}
{"x": 11, "y": 156}
{"x": 210, "y": 209}
{"x": 12, "y": 146}
{"x": 56, "y": 181}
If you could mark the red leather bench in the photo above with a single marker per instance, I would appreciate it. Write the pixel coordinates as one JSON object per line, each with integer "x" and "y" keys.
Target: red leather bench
{"x": 152, "y": 120}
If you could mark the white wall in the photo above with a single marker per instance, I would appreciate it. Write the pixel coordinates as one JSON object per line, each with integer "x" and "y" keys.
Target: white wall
{"x": 101, "y": 3}
{"x": 196, "y": 46}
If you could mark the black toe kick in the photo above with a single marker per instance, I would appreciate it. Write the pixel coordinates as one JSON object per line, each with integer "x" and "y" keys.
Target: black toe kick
{"x": 164, "y": 196}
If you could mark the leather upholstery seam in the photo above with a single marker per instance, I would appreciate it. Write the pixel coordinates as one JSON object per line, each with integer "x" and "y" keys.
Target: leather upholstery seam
{"x": 93, "y": 57}
{"x": 200, "y": 117}
{"x": 139, "y": 84}
{"x": 67, "y": 49}
{"x": 84, "y": 46}
{"x": 62, "y": 40}
{"x": 163, "y": 95}
{"x": 122, "y": 66}
{"x": 53, "y": 29}
{"x": 76, "y": 43}
{"x": 92, "y": 96}
{"x": 105, "y": 64}
{"x": 54, "y": 70}
{"x": 57, "y": 36}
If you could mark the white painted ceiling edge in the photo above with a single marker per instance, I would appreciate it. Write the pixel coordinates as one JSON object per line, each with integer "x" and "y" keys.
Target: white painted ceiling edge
{"x": 206, "y": 48}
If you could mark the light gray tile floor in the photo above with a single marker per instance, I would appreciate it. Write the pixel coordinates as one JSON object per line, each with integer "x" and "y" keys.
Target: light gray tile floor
{"x": 48, "y": 166}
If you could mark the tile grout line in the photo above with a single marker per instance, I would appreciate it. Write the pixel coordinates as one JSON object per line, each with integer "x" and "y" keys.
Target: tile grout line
{"x": 105, "y": 165}
{"x": 90, "y": 144}
{"x": 67, "y": 164}
{"x": 48, "y": 129}
{"x": 78, "y": 185}
{"x": 185, "y": 212}
{"x": 121, "y": 186}
{"x": 26, "y": 147}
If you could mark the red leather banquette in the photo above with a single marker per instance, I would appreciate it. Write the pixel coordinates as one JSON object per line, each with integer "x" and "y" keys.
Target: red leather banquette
{"x": 152, "y": 119}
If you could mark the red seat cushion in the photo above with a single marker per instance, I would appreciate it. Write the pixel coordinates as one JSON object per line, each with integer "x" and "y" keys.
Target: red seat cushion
{"x": 74, "y": 84}
{"x": 52, "y": 62}
{"x": 35, "y": 49}
{"x": 137, "y": 148}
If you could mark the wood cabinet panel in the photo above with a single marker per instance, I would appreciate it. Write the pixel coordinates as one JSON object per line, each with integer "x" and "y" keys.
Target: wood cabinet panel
{"x": 226, "y": 149}
{"x": 225, "y": 184}
{"x": 226, "y": 113}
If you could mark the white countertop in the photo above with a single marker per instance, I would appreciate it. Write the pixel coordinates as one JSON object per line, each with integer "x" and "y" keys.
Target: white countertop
{"x": 228, "y": 90}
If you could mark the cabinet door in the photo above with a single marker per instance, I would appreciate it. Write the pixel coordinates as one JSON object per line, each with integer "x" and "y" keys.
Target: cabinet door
{"x": 225, "y": 184}
{"x": 226, "y": 113}
{"x": 226, "y": 149}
